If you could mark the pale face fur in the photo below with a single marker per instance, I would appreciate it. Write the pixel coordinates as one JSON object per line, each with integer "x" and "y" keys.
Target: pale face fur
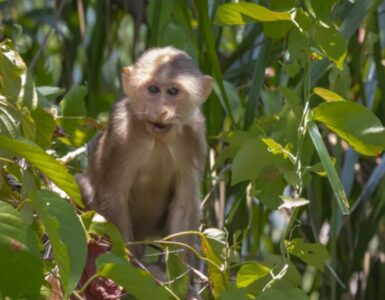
{"x": 179, "y": 89}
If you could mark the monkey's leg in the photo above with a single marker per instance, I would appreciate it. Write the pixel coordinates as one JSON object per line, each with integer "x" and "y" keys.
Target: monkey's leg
{"x": 184, "y": 213}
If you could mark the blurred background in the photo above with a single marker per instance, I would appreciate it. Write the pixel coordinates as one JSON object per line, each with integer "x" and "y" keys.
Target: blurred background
{"x": 68, "y": 43}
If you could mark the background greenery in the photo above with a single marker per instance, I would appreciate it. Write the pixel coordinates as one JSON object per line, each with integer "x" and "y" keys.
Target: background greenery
{"x": 294, "y": 180}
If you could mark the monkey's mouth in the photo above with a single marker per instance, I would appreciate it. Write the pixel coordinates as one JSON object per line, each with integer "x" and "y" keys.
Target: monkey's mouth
{"x": 160, "y": 127}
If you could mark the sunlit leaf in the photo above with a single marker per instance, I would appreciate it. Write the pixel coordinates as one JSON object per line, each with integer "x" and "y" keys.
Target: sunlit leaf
{"x": 354, "y": 123}
{"x": 244, "y": 12}
{"x": 45, "y": 163}
{"x": 327, "y": 95}
{"x": 16, "y": 83}
{"x": 250, "y": 272}
{"x": 289, "y": 202}
{"x": 212, "y": 249}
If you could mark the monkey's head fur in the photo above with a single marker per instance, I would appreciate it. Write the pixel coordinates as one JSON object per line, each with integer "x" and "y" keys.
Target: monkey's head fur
{"x": 164, "y": 88}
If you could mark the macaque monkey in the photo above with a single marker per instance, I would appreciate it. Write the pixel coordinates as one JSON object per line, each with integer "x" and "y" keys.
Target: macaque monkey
{"x": 145, "y": 170}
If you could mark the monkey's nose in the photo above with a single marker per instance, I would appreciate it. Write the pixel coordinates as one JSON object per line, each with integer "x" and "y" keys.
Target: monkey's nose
{"x": 163, "y": 115}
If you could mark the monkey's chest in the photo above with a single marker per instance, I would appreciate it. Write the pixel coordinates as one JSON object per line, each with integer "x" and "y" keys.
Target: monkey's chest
{"x": 152, "y": 192}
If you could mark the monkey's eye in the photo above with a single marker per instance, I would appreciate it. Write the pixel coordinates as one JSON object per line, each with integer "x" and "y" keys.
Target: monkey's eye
{"x": 173, "y": 91}
{"x": 153, "y": 89}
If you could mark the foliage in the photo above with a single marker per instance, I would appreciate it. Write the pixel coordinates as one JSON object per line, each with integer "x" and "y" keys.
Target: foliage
{"x": 294, "y": 179}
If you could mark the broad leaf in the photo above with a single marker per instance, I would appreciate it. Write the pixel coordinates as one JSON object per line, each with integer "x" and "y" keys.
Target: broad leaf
{"x": 21, "y": 266}
{"x": 327, "y": 95}
{"x": 250, "y": 272}
{"x": 136, "y": 281}
{"x": 66, "y": 234}
{"x": 45, "y": 163}
{"x": 314, "y": 254}
{"x": 354, "y": 123}
{"x": 244, "y": 12}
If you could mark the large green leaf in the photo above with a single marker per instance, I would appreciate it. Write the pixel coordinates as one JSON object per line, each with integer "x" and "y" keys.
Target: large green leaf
{"x": 16, "y": 83}
{"x": 45, "y": 163}
{"x": 73, "y": 104}
{"x": 21, "y": 266}
{"x": 66, "y": 234}
{"x": 354, "y": 123}
{"x": 245, "y": 12}
{"x": 250, "y": 272}
{"x": 251, "y": 160}
{"x": 311, "y": 253}
{"x": 136, "y": 281}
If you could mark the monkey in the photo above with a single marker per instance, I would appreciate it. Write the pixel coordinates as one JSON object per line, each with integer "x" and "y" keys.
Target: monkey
{"x": 145, "y": 169}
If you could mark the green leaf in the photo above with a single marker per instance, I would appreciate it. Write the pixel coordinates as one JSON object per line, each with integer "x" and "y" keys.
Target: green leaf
{"x": 66, "y": 234}
{"x": 8, "y": 124}
{"x": 107, "y": 228}
{"x": 212, "y": 249}
{"x": 327, "y": 95}
{"x": 45, "y": 127}
{"x": 21, "y": 266}
{"x": 16, "y": 83}
{"x": 250, "y": 272}
{"x": 277, "y": 29}
{"x": 293, "y": 99}
{"x": 332, "y": 43}
{"x": 50, "y": 92}
{"x": 277, "y": 263}
{"x": 283, "y": 290}
{"x": 314, "y": 254}
{"x": 354, "y": 123}
{"x": 176, "y": 271}
{"x": 45, "y": 163}
{"x": 327, "y": 163}
{"x": 251, "y": 160}
{"x": 236, "y": 293}
{"x": 73, "y": 104}
{"x": 136, "y": 281}
{"x": 243, "y": 13}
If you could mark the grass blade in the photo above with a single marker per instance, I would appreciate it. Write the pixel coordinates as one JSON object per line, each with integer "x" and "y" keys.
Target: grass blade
{"x": 331, "y": 172}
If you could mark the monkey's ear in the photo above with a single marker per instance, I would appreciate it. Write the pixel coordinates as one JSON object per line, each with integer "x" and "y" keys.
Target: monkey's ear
{"x": 126, "y": 76}
{"x": 126, "y": 72}
{"x": 206, "y": 86}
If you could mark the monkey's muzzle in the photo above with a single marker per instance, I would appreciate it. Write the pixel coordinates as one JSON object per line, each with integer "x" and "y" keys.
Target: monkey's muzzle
{"x": 160, "y": 127}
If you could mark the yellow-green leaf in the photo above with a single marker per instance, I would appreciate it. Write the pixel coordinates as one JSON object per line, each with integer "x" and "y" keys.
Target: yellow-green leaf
{"x": 245, "y": 12}
{"x": 327, "y": 95}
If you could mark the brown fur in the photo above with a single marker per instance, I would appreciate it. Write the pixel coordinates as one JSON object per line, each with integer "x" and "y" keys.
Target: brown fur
{"x": 145, "y": 171}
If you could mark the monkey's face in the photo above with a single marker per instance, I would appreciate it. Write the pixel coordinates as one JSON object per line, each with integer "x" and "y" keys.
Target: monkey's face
{"x": 164, "y": 88}
{"x": 164, "y": 104}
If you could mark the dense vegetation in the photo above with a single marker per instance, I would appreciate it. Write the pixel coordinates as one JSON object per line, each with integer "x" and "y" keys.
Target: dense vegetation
{"x": 293, "y": 198}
